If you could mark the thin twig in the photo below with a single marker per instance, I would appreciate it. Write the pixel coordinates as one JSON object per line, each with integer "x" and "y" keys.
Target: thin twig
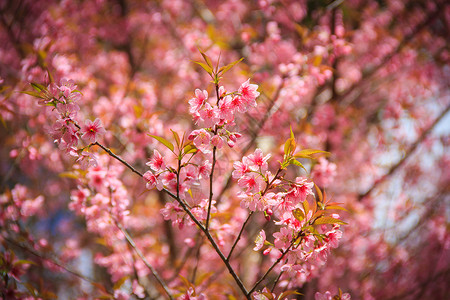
{"x": 107, "y": 150}
{"x": 268, "y": 185}
{"x": 208, "y": 215}
{"x": 144, "y": 259}
{"x": 193, "y": 218}
{"x": 276, "y": 281}
{"x": 239, "y": 235}
{"x": 271, "y": 268}
{"x": 212, "y": 242}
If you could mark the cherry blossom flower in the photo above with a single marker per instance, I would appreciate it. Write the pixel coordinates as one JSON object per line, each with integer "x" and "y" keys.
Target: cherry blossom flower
{"x": 156, "y": 163}
{"x": 299, "y": 191}
{"x": 86, "y": 159}
{"x": 260, "y": 239}
{"x": 92, "y": 130}
{"x": 209, "y": 116}
{"x": 204, "y": 170}
{"x": 237, "y": 103}
{"x": 249, "y": 93}
{"x": 152, "y": 181}
{"x": 324, "y": 172}
{"x": 217, "y": 141}
{"x": 241, "y": 167}
{"x": 251, "y": 182}
{"x": 257, "y": 161}
{"x": 201, "y": 139}
{"x": 67, "y": 86}
{"x": 283, "y": 238}
{"x": 324, "y": 296}
{"x": 197, "y": 102}
{"x": 333, "y": 237}
{"x": 172, "y": 211}
{"x": 67, "y": 111}
{"x": 226, "y": 111}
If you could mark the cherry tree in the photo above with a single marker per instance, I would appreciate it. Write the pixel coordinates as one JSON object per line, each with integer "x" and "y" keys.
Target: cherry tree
{"x": 224, "y": 149}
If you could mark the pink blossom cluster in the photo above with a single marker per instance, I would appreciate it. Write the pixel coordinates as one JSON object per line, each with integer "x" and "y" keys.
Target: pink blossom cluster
{"x": 101, "y": 198}
{"x": 17, "y": 205}
{"x": 65, "y": 130}
{"x": 279, "y": 198}
{"x": 217, "y": 118}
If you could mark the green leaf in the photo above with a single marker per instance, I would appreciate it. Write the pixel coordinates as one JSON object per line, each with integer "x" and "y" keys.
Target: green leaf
{"x": 50, "y": 76}
{"x": 292, "y": 134}
{"x": 163, "y": 141}
{"x": 306, "y": 206}
{"x": 298, "y": 214}
{"x": 318, "y": 214}
{"x": 319, "y": 193}
{"x": 206, "y": 58}
{"x": 225, "y": 69}
{"x": 120, "y": 282}
{"x": 189, "y": 149}
{"x": 328, "y": 220}
{"x": 335, "y": 207}
{"x": 24, "y": 262}
{"x": 297, "y": 163}
{"x": 177, "y": 137}
{"x": 34, "y": 94}
{"x": 68, "y": 175}
{"x": 289, "y": 146}
{"x": 206, "y": 67}
{"x": 306, "y": 153}
{"x": 38, "y": 87}
{"x": 201, "y": 278}
{"x": 288, "y": 293}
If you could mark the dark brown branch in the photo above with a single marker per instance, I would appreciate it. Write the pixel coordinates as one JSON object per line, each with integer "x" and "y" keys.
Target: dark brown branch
{"x": 107, "y": 150}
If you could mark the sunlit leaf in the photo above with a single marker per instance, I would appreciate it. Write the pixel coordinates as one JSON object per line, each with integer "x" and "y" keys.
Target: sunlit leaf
{"x": 163, "y": 141}
{"x": 38, "y": 87}
{"x": 177, "y": 137}
{"x": 318, "y": 214}
{"x": 306, "y": 206}
{"x": 307, "y": 153}
{"x": 298, "y": 214}
{"x": 34, "y": 94}
{"x": 319, "y": 193}
{"x": 24, "y": 262}
{"x": 224, "y": 69}
{"x": 205, "y": 67}
{"x": 189, "y": 149}
{"x": 297, "y": 163}
{"x": 68, "y": 175}
{"x": 335, "y": 207}
{"x": 207, "y": 59}
{"x": 328, "y": 220}
{"x": 288, "y": 293}
{"x": 289, "y": 146}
